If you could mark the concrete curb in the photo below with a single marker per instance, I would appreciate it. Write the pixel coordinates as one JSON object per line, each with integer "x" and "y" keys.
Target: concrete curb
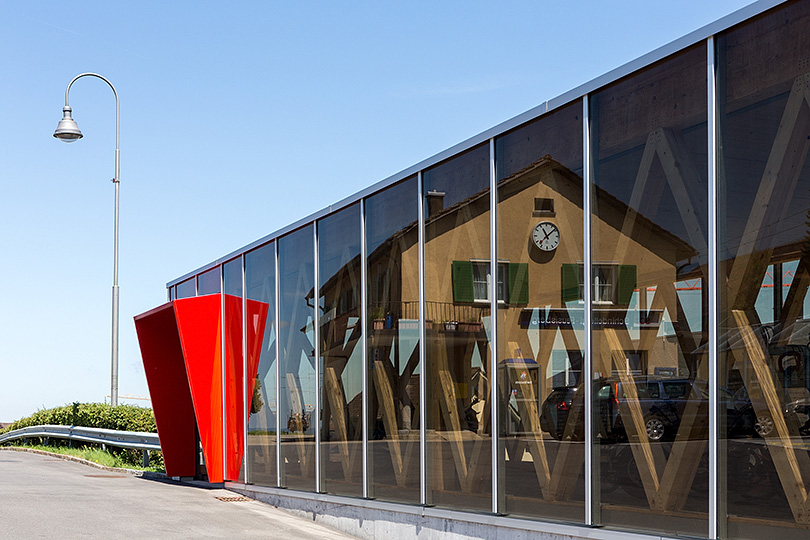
{"x": 152, "y": 475}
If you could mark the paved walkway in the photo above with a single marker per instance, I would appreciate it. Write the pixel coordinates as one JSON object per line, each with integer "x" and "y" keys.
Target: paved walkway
{"x": 44, "y": 496}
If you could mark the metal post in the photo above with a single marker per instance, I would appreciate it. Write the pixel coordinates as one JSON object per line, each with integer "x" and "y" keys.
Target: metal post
{"x": 116, "y": 180}
{"x": 423, "y": 490}
{"x": 247, "y": 403}
{"x": 592, "y": 478}
{"x": 277, "y": 303}
{"x": 717, "y": 518}
{"x": 367, "y": 490}
{"x": 497, "y": 492}
{"x": 316, "y": 321}
{"x": 223, "y": 352}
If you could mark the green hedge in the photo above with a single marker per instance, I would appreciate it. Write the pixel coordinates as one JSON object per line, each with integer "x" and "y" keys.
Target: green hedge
{"x": 98, "y": 415}
{"x": 95, "y": 415}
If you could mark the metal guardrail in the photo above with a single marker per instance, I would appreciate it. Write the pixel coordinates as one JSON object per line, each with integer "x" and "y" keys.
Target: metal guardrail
{"x": 136, "y": 440}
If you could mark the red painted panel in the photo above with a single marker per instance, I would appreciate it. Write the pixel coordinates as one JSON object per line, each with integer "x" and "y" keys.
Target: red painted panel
{"x": 234, "y": 399}
{"x": 181, "y": 345}
{"x": 236, "y": 405}
{"x": 199, "y": 326}
{"x": 168, "y": 387}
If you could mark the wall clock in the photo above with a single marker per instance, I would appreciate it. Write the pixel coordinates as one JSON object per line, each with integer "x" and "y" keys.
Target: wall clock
{"x": 546, "y": 236}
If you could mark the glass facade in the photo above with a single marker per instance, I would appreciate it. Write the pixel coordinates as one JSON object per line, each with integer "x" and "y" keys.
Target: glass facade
{"x": 186, "y": 289}
{"x": 392, "y": 329}
{"x": 339, "y": 304}
{"x": 297, "y": 367}
{"x": 650, "y": 256}
{"x": 540, "y": 331}
{"x": 234, "y": 372}
{"x": 764, "y": 117}
{"x": 209, "y": 282}
{"x": 457, "y": 330}
{"x": 262, "y": 432}
{"x": 597, "y": 315}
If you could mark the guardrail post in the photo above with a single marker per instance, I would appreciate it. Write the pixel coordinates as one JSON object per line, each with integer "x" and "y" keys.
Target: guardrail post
{"x": 146, "y": 458}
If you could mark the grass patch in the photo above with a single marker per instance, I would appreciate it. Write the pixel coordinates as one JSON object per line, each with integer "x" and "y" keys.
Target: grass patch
{"x": 121, "y": 459}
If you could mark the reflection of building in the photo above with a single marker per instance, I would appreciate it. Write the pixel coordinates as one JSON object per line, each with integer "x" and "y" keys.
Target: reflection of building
{"x": 623, "y": 258}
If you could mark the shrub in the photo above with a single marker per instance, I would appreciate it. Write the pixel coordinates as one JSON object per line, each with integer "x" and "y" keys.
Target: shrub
{"x": 99, "y": 415}
{"x": 96, "y": 415}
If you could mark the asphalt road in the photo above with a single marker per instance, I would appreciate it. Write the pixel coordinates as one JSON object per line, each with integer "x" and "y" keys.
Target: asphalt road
{"x": 43, "y": 496}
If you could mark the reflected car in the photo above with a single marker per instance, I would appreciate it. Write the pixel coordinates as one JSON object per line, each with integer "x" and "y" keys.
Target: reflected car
{"x": 665, "y": 405}
{"x": 555, "y": 410}
{"x": 663, "y": 402}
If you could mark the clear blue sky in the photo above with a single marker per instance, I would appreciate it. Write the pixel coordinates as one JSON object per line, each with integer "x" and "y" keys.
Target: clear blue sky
{"x": 237, "y": 119}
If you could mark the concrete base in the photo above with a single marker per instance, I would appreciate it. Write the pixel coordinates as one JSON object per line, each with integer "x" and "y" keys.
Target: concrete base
{"x": 370, "y": 519}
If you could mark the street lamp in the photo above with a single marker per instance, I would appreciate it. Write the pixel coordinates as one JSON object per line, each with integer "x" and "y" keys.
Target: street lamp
{"x": 68, "y": 131}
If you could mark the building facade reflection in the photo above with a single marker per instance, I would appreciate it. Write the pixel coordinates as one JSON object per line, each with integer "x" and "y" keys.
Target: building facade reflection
{"x": 429, "y": 341}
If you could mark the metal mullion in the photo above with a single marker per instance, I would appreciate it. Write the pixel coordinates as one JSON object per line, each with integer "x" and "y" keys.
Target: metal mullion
{"x": 246, "y": 399}
{"x": 364, "y": 346}
{"x": 422, "y": 348}
{"x": 592, "y": 502}
{"x": 276, "y": 305}
{"x": 317, "y": 360}
{"x": 717, "y": 518}
{"x": 497, "y": 493}
{"x": 223, "y": 346}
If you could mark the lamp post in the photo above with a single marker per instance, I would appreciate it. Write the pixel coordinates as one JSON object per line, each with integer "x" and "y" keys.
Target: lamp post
{"x": 68, "y": 131}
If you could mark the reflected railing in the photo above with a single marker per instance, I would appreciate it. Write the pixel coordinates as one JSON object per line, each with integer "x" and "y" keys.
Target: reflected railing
{"x": 387, "y": 314}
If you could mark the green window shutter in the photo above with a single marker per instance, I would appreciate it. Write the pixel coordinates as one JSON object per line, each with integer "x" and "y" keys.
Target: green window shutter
{"x": 518, "y": 283}
{"x": 627, "y": 283}
{"x": 463, "y": 281}
{"x": 570, "y": 283}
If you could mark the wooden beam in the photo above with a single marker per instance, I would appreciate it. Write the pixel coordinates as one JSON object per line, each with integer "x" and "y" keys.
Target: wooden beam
{"x": 386, "y": 398}
{"x": 649, "y": 458}
{"x": 791, "y": 466}
{"x": 337, "y": 403}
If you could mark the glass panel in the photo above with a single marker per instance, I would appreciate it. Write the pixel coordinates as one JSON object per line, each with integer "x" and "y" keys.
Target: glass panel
{"x": 187, "y": 289}
{"x": 539, "y": 355}
{"x": 296, "y": 339}
{"x": 341, "y": 354}
{"x": 457, "y": 333}
{"x": 260, "y": 277}
{"x": 763, "y": 80}
{"x": 393, "y": 342}
{"x": 234, "y": 369}
{"x": 649, "y": 235}
{"x": 209, "y": 282}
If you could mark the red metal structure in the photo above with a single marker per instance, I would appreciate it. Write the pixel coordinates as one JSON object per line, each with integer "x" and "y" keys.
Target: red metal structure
{"x": 182, "y": 348}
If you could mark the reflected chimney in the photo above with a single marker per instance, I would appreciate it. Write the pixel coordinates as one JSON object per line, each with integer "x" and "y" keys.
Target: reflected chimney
{"x": 435, "y": 202}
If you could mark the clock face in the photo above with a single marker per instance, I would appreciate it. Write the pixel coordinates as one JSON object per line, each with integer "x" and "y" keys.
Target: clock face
{"x": 546, "y": 236}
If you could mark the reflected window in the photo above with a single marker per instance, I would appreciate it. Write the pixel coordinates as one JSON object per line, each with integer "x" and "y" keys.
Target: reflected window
{"x": 482, "y": 279}
{"x": 472, "y": 282}
{"x": 611, "y": 284}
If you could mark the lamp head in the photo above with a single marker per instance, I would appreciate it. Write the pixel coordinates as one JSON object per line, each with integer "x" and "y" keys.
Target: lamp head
{"x": 67, "y": 130}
